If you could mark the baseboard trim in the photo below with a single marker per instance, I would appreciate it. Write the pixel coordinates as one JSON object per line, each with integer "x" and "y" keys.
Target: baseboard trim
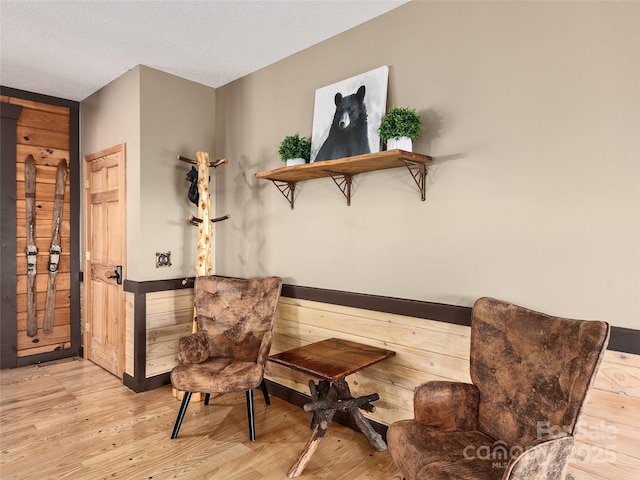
{"x": 139, "y": 385}
{"x": 47, "y": 357}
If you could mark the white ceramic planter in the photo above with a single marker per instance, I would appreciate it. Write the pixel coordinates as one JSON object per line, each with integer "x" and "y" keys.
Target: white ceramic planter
{"x": 402, "y": 143}
{"x": 295, "y": 161}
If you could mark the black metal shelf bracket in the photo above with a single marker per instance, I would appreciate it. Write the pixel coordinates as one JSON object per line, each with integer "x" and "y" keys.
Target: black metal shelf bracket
{"x": 418, "y": 171}
{"x": 287, "y": 189}
{"x": 343, "y": 181}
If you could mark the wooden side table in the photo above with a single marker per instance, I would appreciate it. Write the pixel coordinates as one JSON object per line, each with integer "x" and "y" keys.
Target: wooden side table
{"x": 331, "y": 361}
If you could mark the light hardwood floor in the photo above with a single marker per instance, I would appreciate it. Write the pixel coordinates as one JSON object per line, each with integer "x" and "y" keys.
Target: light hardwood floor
{"x": 73, "y": 420}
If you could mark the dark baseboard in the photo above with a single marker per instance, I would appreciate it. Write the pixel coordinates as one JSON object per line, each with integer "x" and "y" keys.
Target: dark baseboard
{"x": 47, "y": 357}
{"x": 624, "y": 340}
{"x": 139, "y": 385}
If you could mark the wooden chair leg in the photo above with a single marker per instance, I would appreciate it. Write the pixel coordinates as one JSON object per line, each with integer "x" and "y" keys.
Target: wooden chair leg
{"x": 181, "y": 412}
{"x": 265, "y": 392}
{"x": 252, "y": 426}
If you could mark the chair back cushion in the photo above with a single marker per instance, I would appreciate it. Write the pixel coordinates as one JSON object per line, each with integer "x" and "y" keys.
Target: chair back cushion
{"x": 533, "y": 370}
{"x": 236, "y": 314}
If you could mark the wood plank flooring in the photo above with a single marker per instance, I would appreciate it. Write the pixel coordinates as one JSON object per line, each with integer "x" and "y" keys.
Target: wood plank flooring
{"x": 73, "y": 420}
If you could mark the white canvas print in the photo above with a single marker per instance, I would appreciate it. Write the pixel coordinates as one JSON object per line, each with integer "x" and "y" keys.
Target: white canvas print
{"x": 347, "y": 114}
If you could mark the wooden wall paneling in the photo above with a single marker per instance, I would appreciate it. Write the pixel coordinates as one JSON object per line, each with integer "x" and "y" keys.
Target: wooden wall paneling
{"x": 63, "y": 300}
{"x": 43, "y": 242}
{"x": 57, "y": 340}
{"x": 47, "y": 128}
{"x": 425, "y": 350}
{"x": 41, "y": 123}
{"x": 42, "y": 263}
{"x": 292, "y": 379}
{"x": 619, "y": 373}
{"x": 601, "y": 464}
{"x": 606, "y": 445}
{"x": 38, "y": 105}
{"x": 445, "y": 356}
{"x": 612, "y": 436}
{"x": 44, "y": 210}
{"x": 169, "y": 317}
{"x": 161, "y": 364}
{"x": 48, "y": 158}
{"x": 63, "y": 283}
{"x": 43, "y": 120}
{"x": 61, "y": 317}
{"x": 38, "y": 137}
{"x": 170, "y": 300}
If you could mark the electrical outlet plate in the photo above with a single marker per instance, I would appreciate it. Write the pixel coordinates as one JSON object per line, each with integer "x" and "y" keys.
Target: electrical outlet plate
{"x": 163, "y": 259}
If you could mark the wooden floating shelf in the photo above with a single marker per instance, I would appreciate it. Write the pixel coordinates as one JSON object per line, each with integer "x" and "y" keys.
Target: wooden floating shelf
{"x": 342, "y": 169}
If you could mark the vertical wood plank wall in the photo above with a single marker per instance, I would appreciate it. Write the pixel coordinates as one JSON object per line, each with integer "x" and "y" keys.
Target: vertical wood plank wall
{"x": 43, "y": 130}
{"x": 607, "y": 446}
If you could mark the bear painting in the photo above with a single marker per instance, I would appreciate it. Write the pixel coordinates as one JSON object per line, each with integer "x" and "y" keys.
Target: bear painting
{"x": 347, "y": 115}
{"x": 348, "y": 132}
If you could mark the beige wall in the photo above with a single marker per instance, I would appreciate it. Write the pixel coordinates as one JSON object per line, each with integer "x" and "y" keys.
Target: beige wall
{"x": 532, "y": 114}
{"x": 109, "y": 117}
{"x": 159, "y": 116}
{"x": 177, "y": 118}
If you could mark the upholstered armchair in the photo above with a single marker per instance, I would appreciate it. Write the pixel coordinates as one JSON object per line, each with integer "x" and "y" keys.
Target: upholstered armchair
{"x": 229, "y": 352}
{"x": 531, "y": 373}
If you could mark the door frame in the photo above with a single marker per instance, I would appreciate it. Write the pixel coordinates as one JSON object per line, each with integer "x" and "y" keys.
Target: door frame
{"x": 86, "y": 203}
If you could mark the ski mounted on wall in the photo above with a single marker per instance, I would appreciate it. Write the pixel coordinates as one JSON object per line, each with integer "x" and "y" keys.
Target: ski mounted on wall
{"x": 32, "y": 249}
{"x": 56, "y": 249}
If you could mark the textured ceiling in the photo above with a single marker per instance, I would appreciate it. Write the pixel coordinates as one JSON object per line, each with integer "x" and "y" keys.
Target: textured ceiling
{"x": 70, "y": 49}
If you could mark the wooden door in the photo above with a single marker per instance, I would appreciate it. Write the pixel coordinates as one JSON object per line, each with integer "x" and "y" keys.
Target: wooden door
{"x": 105, "y": 254}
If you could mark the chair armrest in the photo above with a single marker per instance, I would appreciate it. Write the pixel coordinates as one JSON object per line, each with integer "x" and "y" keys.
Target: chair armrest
{"x": 193, "y": 348}
{"x": 545, "y": 458}
{"x": 265, "y": 348}
{"x": 449, "y": 406}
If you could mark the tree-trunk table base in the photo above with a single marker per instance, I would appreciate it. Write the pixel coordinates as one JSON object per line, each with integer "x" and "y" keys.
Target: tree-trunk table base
{"x": 327, "y": 398}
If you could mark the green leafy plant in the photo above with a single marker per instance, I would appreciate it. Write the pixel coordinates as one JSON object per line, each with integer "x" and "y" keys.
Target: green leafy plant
{"x": 294, "y": 146}
{"x": 400, "y": 122}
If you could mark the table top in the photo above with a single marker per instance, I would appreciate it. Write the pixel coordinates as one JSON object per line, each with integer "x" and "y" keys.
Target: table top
{"x": 331, "y": 359}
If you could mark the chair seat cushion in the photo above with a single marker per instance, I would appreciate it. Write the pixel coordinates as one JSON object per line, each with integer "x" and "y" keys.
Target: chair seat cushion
{"x": 217, "y": 375}
{"x": 426, "y": 453}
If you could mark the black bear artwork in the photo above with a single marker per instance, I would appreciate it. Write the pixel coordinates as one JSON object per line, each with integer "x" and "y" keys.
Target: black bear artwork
{"x": 348, "y": 133}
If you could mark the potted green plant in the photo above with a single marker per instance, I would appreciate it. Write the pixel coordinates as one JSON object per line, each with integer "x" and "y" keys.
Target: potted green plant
{"x": 294, "y": 150}
{"x": 399, "y": 127}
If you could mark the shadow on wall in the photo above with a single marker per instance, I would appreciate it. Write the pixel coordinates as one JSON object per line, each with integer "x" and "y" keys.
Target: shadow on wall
{"x": 189, "y": 254}
{"x": 433, "y": 127}
{"x": 249, "y": 234}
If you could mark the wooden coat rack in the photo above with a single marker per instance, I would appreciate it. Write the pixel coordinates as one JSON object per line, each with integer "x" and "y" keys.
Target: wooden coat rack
{"x": 204, "y": 222}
